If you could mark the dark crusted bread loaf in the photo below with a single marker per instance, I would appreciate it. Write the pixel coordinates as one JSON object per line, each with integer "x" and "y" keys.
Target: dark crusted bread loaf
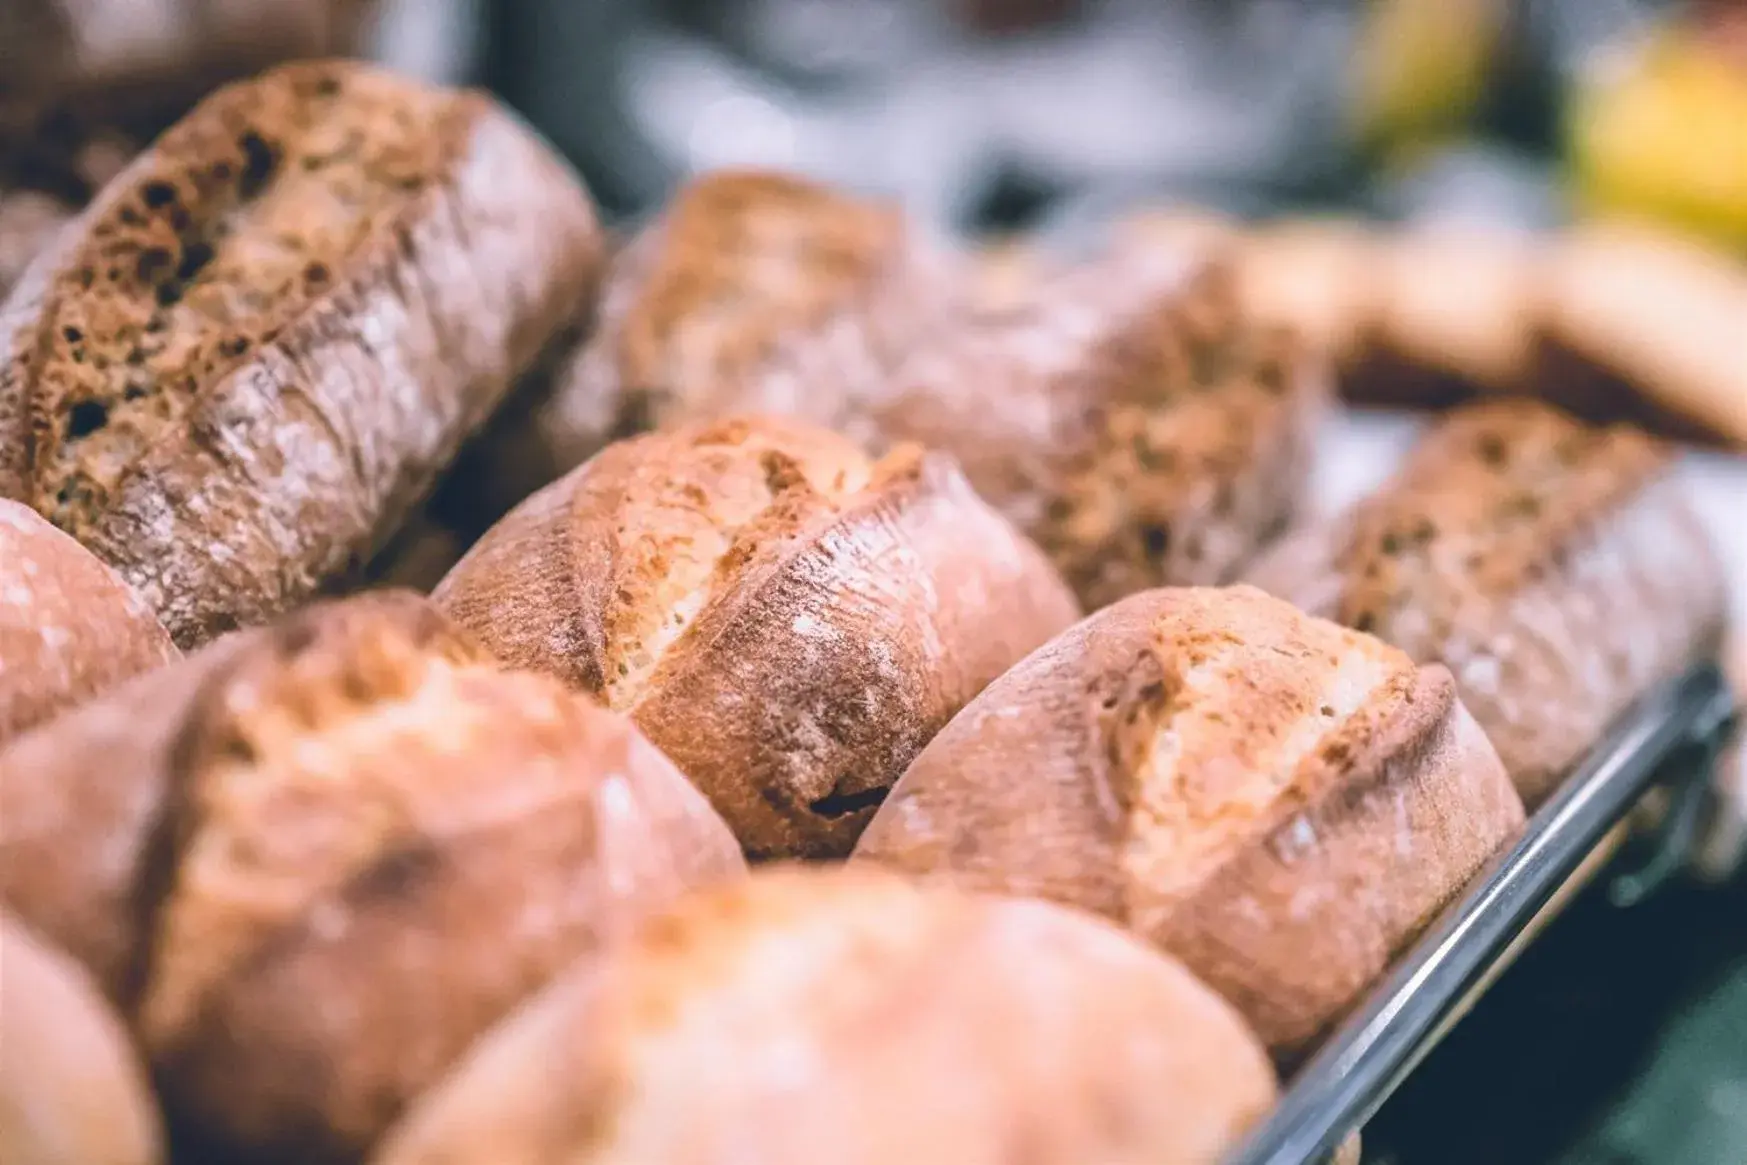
{"x": 238, "y": 370}
{"x": 1280, "y": 803}
{"x": 69, "y": 628}
{"x": 72, "y": 1090}
{"x": 1555, "y": 568}
{"x": 812, "y": 1015}
{"x": 785, "y": 618}
{"x": 313, "y": 861}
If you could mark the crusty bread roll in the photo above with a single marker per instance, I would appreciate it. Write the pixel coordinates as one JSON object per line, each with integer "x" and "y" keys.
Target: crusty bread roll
{"x": 1555, "y": 568}
{"x": 785, "y": 618}
{"x": 245, "y": 362}
{"x": 836, "y": 1015}
{"x": 68, "y": 627}
{"x": 314, "y": 861}
{"x": 1279, "y": 802}
{"x": 72, "y": 1091}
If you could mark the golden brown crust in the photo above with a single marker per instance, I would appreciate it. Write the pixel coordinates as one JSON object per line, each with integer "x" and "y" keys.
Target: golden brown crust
{"x": 786, "y": 620}
{"x": 354, "y": 806}
{"x": 247, "y": 361}
{"x": 1553, "y": 567}
{"x": 72, "y": 1090}
{"x": 69, "y": 629}
{"x": 924, "y": 1025}
{"x": 1234, "y": 781}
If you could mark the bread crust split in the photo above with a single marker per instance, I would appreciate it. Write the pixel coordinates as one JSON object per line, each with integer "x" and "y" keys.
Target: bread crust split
{"x": 1555, "y": 568}
{"x": 313, "y": 861}
{"x": 1280, "y": 803}
{"x": 72, "y": 1089}
{"x": 787, "y": 619}
{"x": 245, "y": 362}
{"x": 847, "y": 1016}
{"x": 69, "y": 628}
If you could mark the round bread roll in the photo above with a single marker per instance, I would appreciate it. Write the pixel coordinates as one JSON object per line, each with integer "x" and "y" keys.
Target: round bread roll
{"x": 69, "y": 628}
{"x": 313, "y": 862}
{"x": 836, "y": 1015}
{"x": 1279, "y": 802}
{"x": 72, "y": 1091}
{"x": 786, "y": 619}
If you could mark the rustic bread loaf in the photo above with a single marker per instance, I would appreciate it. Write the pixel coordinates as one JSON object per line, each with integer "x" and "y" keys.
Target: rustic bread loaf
{"x": 834, "y": 1015}
{"x": 1280, "y": 803}
{"x": 1555, "y": 568}
{"x": 72, "y": 1091}
{"x": 245, "y": 362}
{"x": 69, "y": 628}
{"x": 785, "y": 618}
{"x": 314, "y": 861}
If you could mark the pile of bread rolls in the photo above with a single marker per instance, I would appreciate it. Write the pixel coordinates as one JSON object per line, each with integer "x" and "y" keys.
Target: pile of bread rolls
{"x": 860, "y": 713}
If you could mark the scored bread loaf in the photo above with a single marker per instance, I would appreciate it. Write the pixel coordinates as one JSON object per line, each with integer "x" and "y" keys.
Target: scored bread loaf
{"x": 72, "y": 1090}
{"x": 237, "y": 371}
{"x": 1555, "y": 568}
{"x": 787, "y": 619}
{"x": 314, "y": 861}
{"x": 812, "y": 1015}
{"x": 69, "y": 628}
{"x": 1280, "y": 803}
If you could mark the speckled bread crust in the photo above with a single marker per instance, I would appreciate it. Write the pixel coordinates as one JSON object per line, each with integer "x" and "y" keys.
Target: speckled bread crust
{"x": 811, "y": 1015}
{"x": 332, "y": 853}
{"x": 754, "y": 292}
{"x": 69, "y": 628}
{"x": 1280, "y": 803}
{"x": 72, "y": 1091}
{"x": 1556, "y": 569}
{"x": 1126, "y": 416}
{"x": 247, "y": 360}
{"x": 787, "y": 620}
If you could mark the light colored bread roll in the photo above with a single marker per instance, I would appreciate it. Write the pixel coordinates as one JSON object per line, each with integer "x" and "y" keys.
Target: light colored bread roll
{"x": 787, "y": 619}
{"x": 1279, "y": 802}
{"x": 314, "y": 861}
{"x": 72, "y": 1090}
{"x": 1555, "y": 568}
{"x": 835, "y": 1015}
{"x": 69, "y": 628}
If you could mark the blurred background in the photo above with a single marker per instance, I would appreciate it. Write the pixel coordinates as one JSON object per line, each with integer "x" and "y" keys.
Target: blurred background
{"x": 1622, "y": 1036}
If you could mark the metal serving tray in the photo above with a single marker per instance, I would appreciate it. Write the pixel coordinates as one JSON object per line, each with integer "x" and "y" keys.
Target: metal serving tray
{"x": 1668, "y": 739}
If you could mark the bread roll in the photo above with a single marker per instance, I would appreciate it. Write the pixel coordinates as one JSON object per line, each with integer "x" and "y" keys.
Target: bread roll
{"x": 69, "y": 628}
{"x": 1555, "y": 568}
{"x": 72, "y": 1091}
{"x": 240, "y": 368}
{"x": 786, "y": 619}
{"x": 831, "y": 1015}
{"x": 314, "y": 861}
{"x": 1280, "y": 803}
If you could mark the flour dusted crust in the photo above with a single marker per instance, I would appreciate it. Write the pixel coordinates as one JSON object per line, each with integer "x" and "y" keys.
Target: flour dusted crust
{"x": 1554, "y": 567}
{"x": 787, "y": 619}
{"x": 69, "y": 629}
{"x": 1280, "y": 803}
{"x": 337, "y": 849}
{"x": 858, "y": 1018}
{"x": 244, "y": 363}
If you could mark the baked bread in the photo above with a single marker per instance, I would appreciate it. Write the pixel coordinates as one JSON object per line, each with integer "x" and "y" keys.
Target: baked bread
{"x": 1280, "y": 803}
{"x": 1555, "y": 568}
{"x": 835, "y": 1015}
{"x": 246, "y": 361}
{"x": 314, "y": 861}
{"x": 69, "y": 628}
{"x": 72, "y": 1091}
{"x": 785, "y": 618}
{"x": 1127, "y": 417}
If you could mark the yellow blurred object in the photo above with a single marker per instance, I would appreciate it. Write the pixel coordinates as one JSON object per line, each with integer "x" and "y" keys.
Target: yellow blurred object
{"x": 1421, "y": 67}
{"x": 1661, "y": 131}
